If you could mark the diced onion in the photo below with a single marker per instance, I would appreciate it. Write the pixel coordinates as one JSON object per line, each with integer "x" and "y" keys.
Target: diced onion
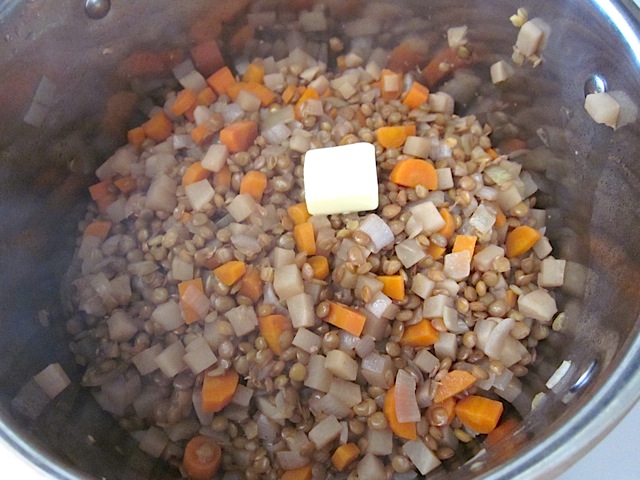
{"x": 153, "y": 442}
{"x": 374, "y": 368}
{"x": 52, "y": 380}
{"x": 371, "y": 468}
{"x": 243, "y": 319}
{"x": 291, "y": 460}
{"x": 407, "y": 409}
{"x": 378, "y": 230}
{"x": 325, "y": 431}
{"x": 421, "y": 456}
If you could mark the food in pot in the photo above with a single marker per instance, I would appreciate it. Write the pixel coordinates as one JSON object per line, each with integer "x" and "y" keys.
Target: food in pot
{"x": 230, "y": 330}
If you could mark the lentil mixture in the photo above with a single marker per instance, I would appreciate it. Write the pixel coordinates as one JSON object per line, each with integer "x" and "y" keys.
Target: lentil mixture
{"x": 199, "y": 311}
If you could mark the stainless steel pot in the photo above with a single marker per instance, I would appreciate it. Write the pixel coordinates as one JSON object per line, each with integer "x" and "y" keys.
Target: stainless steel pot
{"x": 58, "y": 77}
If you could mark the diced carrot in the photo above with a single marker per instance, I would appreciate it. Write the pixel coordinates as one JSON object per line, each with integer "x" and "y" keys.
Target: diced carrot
{"x": 520, "y": 240}
{"x": 100, "y": 190}
{"x": 183, "y": 102}
{"x": 158, "y": 127}
{"x": 272, "y": 327}
{"x": 222, "y": 180}
{"x": 413, "y": 172}
{"x": 436, "y": 251}
{"x": 221, "y": 80}
{"x": 98, "y": 229}
{"x": 206, "y": 97}
{"x": 254, "y": 183}
{"x": 302, "y": 473}
{"x": 407, "y": 430}
{"x": 511, "y": 297}
{"x": 453, "y": 383}
{"x": 206, "y": 28}
{"x": 407, "y": 56}
{"x": 136, "y": 136}
{"x": 309, "y": 93}
{"x": 118, "y": 110}
{"x": 501, "y": 432}
{"x": 393, "y": 286}
{"x": 186, "y": 217}
{"x": 417, "y": 95}
{"x": 299, "y": 213}
{"x": 239, "y": 136}
{"x": 190, "y": 315}
{"x": 421, "y": 334}
{"x": 142, "y": 64}
{"x": 251, "y": 284}
{"x": 218, "y": 391}
{"x": 201, "y": 133}
{"x": 254, "y": 73}
{"x": 346, "y": 318}
{"x": 478, "y": 413}
{"x": 202, "y": 458}
{"x": 344, "y": 455}
{"x": 230, "y": 272}
{"x": 241, "y": 37}
{"x": 511, "y": 145}
{"x": 304, "y": 237}
{"x": 449, "y": 406}
{"x": 288, "y": 94}
{"x": 450, "y": 223}
{"x": 442, "y": 65}
{"x": 501, "y": 218}
{"x": 266, "y": 96}
{"x": 492, "y": 153}
{"x": 465, "y": 242}
{"x": 207, "y": 57}
{"x": 194, "y": 173}
{"x": 387, "y": 79}
{"x": 320, "y": 266}
{"x": 126, "y": 184}
{"x": 392, "y": 137}
{"x": 233, "y": 90}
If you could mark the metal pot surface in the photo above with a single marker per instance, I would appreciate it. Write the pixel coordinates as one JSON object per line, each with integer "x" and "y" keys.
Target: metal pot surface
{"x": 58, "y": 76}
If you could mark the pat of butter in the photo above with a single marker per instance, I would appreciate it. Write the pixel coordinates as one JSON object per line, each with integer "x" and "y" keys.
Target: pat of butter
{"x": 341, "y": 179}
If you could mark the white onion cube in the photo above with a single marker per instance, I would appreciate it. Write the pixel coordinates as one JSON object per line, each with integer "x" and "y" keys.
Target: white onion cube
{"x": 538, "y": 304}
{"x": 170, "y": 360}
{"x": 52, "y": 380}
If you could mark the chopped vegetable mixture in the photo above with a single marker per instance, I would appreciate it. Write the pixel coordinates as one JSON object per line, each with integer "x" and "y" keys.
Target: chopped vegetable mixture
{"x": 231, "y": 331}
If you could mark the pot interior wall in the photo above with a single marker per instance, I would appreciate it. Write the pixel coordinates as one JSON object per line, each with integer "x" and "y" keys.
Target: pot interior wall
{"x": 587, "y": 173}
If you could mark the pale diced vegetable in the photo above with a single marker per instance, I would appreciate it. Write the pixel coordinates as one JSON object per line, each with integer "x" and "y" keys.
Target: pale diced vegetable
{"x": 341, "y": 365}
{"x": 551, "y": 272}
{"x": 538, "y": 304}
{"x": 433, "y": 307}
{"x": 200, "y": 194}
{"x": 153, "y": 441}
{"x": 346, "y": 392}
{"x": 532, "y": 37}
{"x": 374, "y": 369}
{"x": 242, "y": 206}
{"x": 422, "y": 285}
{"x": 170, "y": 360}
{"x": 52, "y": 380}
{"x": 307, "y": 341}
{"x": 428, "y": 216}
{"x": 121, "y": 326}
{"x": 418, "y": 147}
{"x": 426, "y": 361}
{"x": 457, "y": 36}
{"x": 457, "y": 266}
{"x": 301, "y": 310}
{"x": 379, "y": 441}
{"x": 483, "y": 260}
{"x": 501, "y": 71}
{"x": 410, "y": 252}
{"x": 421, "y": 456}
{"x": 542, "y": 248}
{"x": 441, "y": 102}
{"x": 325, "y": 431}
{"x": 446, "y": 346}
{"x": 378, "y": 230}
{"x": 168, "y": 316}
{"x": 199, "y": 356}
{"x": 287, "y": 282}
{"x": 318, "y": 377}
{"x": 445, "y": 178}
{"x": 243, "y": 319}
{"x": 371, "y": 468}
{"x": 603, "y": 108}
{"x": 145, "y": 360}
